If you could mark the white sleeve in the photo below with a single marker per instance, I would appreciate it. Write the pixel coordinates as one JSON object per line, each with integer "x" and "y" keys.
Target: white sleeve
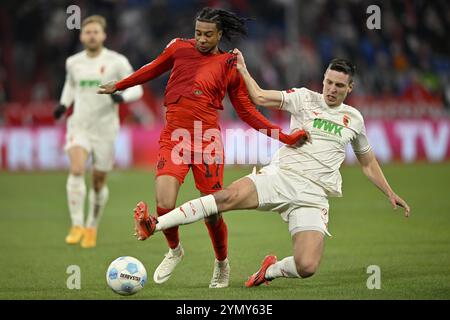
{"x": 124, "y": 70}
{"x": 68, "y": 93}
{"x": 291, "y": 100}
{"x": 360, "y": 143}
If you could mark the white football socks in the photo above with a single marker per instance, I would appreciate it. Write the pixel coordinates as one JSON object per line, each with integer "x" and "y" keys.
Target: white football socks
{"x": 76, "y": 192}
{"x": 285, "y": 268}
{"x": 189, "y": 212}
{"x": 97, "y": 202}
{"x": 177, "y": 251}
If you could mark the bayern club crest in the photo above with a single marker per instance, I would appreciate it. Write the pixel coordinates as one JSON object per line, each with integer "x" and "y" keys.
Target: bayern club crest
{"x": 346, "y": 120}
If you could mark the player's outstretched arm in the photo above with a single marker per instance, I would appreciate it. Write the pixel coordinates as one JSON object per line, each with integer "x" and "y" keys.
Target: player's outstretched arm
{"x": 372, "y": 170}
{"x": 260, "y": 97}
{"x": 131, "y": 94}
{"x": 163, "y": 63}
{"x": 248, "y": 113}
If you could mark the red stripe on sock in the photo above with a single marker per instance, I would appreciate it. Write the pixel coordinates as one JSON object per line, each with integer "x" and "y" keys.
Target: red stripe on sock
{"x": 172, "y": 235}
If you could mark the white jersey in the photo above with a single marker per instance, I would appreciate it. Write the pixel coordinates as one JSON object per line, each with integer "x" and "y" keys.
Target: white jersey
{"x": 331, "y": 129}
{"x": 94, "y": 112}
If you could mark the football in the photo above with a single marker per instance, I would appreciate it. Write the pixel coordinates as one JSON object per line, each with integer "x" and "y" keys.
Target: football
{"x": 126, "y": 275}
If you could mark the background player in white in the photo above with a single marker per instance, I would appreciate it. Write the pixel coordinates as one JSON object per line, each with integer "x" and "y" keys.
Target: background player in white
{"x": 299, "y": 180}
{"x": 93, "y": 126}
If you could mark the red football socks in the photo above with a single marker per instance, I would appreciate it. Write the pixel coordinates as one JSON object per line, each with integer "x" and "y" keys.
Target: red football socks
{"x": 218, "y": 233}
{"x": 172, "y": 236}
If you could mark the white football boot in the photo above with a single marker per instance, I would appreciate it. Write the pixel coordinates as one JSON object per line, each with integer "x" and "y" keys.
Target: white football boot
{"x": 221, "y": 274}
{"x": 166, "y": 267}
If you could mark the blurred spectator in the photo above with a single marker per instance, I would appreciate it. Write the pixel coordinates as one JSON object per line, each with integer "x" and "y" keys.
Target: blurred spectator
{"x": 406, "y": 60}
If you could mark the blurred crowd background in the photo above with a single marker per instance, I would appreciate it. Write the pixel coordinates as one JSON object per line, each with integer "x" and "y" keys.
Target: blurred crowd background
{"x": 403, "y": 69}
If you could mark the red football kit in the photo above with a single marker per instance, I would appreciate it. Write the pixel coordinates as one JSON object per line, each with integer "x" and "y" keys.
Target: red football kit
{"x": 197, "y": 85}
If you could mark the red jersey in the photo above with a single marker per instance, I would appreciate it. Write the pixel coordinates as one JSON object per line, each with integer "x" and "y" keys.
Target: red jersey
{"x": 203, "y": 78}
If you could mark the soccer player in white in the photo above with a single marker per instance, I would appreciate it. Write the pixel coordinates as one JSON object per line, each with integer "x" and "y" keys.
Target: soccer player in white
{"x": 299, "y": 180}
{"x": 93, "y": 126}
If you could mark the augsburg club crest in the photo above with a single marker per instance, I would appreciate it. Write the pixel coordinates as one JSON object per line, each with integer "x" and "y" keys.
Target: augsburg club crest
{"x": 346, "y": 120}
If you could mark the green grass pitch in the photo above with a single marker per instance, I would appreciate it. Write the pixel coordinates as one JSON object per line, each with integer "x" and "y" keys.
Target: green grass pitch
{"x": 413, "y": 254}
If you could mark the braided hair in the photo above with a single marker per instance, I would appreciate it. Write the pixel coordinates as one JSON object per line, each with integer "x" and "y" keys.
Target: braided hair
{"x": 228, "y": 22}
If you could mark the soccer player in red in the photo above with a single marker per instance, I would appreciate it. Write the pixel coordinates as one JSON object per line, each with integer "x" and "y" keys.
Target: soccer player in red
{"x": 201, "y": 75}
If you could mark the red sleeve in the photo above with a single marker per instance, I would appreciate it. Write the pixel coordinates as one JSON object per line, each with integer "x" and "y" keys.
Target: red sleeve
{"x": 245, "y": 109}
{"x": 163, "y": 63}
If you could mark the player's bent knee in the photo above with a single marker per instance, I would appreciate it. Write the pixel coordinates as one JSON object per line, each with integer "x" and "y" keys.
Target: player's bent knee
{"x": 306, "y": 269}
{"x": 165, "y": 204}
{"x": 166, "y": 200}
{"x": 98, "y": 181}
{"x": 77, "y": 171}
{"x": 98, "y": 185}
{"x": 305, "y": 273}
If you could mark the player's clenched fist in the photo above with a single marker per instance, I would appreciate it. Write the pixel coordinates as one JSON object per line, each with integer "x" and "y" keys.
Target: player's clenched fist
{"x": 297, "y": 138}
{"x": 240, "y": 62}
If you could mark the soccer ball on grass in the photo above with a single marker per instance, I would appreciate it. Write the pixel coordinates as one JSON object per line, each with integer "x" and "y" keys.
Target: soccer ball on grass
{"x": 126, "y": 275}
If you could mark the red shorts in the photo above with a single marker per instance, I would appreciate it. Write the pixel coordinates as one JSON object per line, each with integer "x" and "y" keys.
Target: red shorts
{"x": 208, "y": 176}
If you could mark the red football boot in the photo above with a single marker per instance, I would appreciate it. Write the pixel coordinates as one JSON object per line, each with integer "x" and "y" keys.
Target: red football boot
{"x": 259, "y": 277}
{"x": 144, "y": 224}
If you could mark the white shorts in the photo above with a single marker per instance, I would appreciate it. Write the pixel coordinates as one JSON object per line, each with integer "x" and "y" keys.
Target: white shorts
{"x": 300, "y": 202}
{"x": 101, "y": 147}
